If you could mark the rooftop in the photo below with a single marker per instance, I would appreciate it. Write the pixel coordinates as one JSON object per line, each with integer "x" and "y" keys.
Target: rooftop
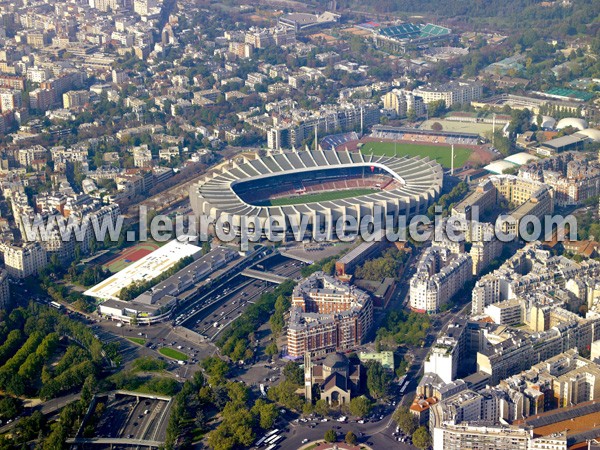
{"x": 146, "y": 269}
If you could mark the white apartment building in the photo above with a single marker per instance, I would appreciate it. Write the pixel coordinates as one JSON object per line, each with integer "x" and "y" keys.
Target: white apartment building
{"x": 25, "y": 260}
{"x": 401, "y": 101}
{"x": 449, "y": 436}
{"x": 453, "y": 92}
{"x": 38, "y": 74}
{"x": 440, "y": 275}
{"x": 508, "y": 312}
{"x": 10, "y": 100}
{"x": 443, "y": 360}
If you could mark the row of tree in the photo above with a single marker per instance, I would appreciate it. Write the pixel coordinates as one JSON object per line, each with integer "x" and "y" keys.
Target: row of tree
{"x": 235, "y": 340}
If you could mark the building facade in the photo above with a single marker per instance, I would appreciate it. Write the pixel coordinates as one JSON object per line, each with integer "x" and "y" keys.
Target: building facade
{"x": 327, "y": 315}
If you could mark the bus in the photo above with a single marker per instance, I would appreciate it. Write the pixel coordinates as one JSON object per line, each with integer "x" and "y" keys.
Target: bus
{"x": 56, "y": 305}
{"x": 271, "y": 433}
{"x": 271, "y": 439}
{"x": 403, "y": 390}
{"x": 276, "y": 440}
{"x": 266, "y": 439}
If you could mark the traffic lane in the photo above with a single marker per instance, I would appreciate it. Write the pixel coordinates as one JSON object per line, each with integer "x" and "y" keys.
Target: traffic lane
{"x": 230, "y": 310}
{"x": 139, "y": 419}
{"x": 233, "y": 305}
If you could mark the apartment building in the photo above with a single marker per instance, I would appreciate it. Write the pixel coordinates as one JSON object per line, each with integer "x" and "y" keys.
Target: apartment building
{"x": 24, "y": 260}
{"x": 449, "y": 436}
{"x": 508, "y": 312}
{"x": 440, "y": 275}
{"x": 327, "y": 315}
{"x": 264, "y": 37}
{"x": 574, "y": 177}
{"x": 142, "y": 156}
{"x": 4, "y": 289}
{"x": 290, "y": 130}
{"x": 453, "y": 93}
{"x": 402, "y": 101}
{"x": 75, "y": 99}
{"x": 532, "y": 198}
{"x": 241, "y": 49}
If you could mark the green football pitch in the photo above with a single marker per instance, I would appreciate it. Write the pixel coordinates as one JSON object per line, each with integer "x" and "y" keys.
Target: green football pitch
{"x": 318, "y": 197}
{"x": 442, "y": 154}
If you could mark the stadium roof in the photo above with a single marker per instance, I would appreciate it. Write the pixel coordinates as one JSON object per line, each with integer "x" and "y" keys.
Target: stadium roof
{"x": 570, "y": 94}
{"x": 413, "y": 31}
{"x": 424, "y": 132}
{"x": 420, "y": 179}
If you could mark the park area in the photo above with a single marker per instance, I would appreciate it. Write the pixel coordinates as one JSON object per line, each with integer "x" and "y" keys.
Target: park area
{"x": 130, "y": 255}
{"x": 173, "y": 354}
{"x": 440, "y": 153}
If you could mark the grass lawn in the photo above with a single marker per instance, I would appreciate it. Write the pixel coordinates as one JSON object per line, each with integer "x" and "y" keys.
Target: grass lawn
{"x": 173, "y": 354}
{"x": 441, "y": 154}
{"x": 319, "y": 197}
{"x": 138, "y": 341}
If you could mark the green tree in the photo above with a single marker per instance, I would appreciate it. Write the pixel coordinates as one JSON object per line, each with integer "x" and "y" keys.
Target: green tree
{"x": 360, "y": 406}
{"x": 378, "y": 379}
{"x": 321, "y": 407}
{"x": 285, "y": 394}
{"x": 405, "y": 420}
{"x": 266, "y": 413}
{"x": 271, "y": 349}
{"x": 421, "y": 438}
{"x": 216, "y": 368}
{"x": 350, "y": 438}
{"x": 293, "y": 372}
{"x": 330, "y": 436}
{"x": 10, "y": 407}
{"x": 238, "y": 392}
{"x": 437, "y": 108}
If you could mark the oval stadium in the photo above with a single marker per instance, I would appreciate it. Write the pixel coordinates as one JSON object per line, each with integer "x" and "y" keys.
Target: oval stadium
{"x": 320, "y": 185}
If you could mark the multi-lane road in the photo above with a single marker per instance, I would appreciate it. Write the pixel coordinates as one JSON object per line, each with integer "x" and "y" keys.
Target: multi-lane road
{"x": 195, "y": 335}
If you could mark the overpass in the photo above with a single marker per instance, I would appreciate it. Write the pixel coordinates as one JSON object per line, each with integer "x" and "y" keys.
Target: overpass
{"x": 115, "y": 441}
{"x": 290, "y": 255}
{"x": 264, "y": 276}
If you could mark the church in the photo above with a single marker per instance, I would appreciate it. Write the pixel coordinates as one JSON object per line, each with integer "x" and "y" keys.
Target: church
{"x": 337, "y": 379}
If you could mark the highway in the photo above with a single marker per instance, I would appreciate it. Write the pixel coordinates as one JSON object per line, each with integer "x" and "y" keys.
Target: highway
{"x": 236, "y": 297}
{"x": 47, "y": 407}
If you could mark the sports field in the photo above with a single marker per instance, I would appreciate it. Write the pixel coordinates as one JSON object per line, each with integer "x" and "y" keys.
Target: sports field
{"x": 130, "y": 255}
{"x": 441, "y": 154}
{"x": 318, "y": 197}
